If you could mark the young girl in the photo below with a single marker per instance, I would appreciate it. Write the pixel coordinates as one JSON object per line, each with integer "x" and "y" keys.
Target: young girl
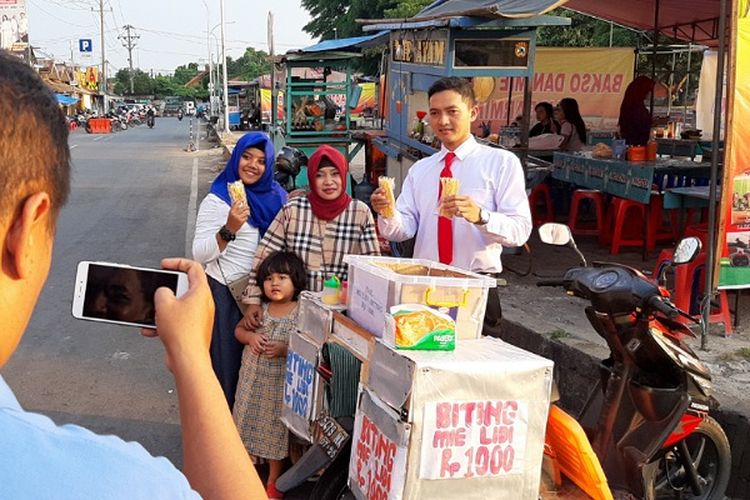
{"x": 260, "y": 389}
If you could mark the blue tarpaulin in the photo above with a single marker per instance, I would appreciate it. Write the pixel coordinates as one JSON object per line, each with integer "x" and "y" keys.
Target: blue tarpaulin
{"x": 342, "y": 43}
{"x": 66, "y": 100}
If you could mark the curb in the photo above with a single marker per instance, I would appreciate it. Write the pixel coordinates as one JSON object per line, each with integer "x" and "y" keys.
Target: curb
{"x": 577, "y": 371}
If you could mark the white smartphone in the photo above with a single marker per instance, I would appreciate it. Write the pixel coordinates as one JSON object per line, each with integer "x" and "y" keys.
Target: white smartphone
{"x": 121, "y": 294}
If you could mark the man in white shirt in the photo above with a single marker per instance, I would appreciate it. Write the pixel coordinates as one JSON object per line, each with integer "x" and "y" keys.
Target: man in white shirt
{"x": 491, "y": 209}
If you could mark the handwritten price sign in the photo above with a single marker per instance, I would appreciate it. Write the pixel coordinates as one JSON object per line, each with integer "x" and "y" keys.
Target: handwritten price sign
{"x": 471, "y": 439}
{"x": 298, "y": 384}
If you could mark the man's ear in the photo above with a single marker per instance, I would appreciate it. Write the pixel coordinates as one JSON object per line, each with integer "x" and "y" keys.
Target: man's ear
{"x": 28, "y": 230}
{"x": 474, "y": 112}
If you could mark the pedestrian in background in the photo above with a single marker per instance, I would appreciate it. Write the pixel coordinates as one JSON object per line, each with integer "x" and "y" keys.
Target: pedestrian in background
{"x": 226, "y": 239}
{"x": 572, "y": 126}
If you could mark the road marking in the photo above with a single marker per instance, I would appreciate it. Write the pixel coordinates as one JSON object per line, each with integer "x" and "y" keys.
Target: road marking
{"x": 74, "y": 146}
{"x": 191, "y": 213}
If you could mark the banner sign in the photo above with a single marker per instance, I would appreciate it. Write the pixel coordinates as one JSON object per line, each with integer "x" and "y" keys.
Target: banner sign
{"x": 596, "y": 78}
{"x": 734, "y": 234}
{"x": 474, "y": 439}
{"x": 14, "y": 25}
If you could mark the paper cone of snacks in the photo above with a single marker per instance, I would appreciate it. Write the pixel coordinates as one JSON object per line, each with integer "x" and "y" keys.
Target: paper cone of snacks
{"x": 387, "y": 184}
{"x": 450, "y": 187}
{"x": 237, "y": 192}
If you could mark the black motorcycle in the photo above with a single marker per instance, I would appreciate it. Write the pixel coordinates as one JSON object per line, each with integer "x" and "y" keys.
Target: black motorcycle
{"x": 648, "y": 417}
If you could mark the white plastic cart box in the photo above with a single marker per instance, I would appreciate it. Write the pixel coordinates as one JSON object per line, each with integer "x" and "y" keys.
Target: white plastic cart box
{"x": 477, "y": 418}
{"x": 316, "y": 318}
{"x": 378, "y": 283}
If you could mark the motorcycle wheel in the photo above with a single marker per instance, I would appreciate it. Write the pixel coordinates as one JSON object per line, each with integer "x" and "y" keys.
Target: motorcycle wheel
{"x": 709, "y": 451}
{"x": 332, "y": 483}
{"x": 123, "y": 125}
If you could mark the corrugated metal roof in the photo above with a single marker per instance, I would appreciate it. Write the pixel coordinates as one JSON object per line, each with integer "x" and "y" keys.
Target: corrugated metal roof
{"x": 343, "y": 43}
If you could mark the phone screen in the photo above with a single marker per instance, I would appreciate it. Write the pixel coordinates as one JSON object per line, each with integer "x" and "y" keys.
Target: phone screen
{"x": 121, "y": 294}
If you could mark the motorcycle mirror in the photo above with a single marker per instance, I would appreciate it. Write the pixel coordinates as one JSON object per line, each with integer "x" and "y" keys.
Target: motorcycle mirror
{"x": 553, "y": 233}
{"x": 686, "y": 250}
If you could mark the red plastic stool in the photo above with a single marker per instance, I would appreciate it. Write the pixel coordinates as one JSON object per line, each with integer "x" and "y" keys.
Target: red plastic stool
{"x": 597, "y": 198}
{"x": 700, "y": 231}
{"x": 547, "y": 214}
{"x": 687, "y": 277}
{"x": 617, "y": 219}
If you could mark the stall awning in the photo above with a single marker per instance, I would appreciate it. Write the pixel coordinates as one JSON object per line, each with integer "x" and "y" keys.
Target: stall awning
{"x": 347, "y": 43}
{"x": 487, "y": 8}
{"x": 66, "y": 100}
{"x": 689, "y": 20}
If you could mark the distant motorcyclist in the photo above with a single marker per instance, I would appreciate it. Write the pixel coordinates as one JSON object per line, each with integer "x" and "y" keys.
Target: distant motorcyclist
{"x": 180, "y": 114}
{"x": 151, "y": 117}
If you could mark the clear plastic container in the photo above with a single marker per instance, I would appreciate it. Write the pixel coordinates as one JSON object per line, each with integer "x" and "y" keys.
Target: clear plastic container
{"x": 378, "y": 283}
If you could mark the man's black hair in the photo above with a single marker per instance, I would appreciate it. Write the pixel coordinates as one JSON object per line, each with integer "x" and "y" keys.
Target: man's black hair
{"x": 34, "y": 153}
{"x": 456, "y": 84}
{"x": 283, "y": 263}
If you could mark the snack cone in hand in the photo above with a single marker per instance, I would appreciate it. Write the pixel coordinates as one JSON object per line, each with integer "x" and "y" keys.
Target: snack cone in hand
{"x": 450, "y": 187}
{"x": 237, "y": 192}
{"x": 387, "y": 184}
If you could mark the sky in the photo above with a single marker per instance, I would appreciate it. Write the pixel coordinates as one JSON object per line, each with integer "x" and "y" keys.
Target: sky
{"x": 172, "y": 32}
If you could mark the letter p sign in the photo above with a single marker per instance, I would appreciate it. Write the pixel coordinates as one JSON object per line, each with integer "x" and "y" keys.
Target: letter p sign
{"x": 85, "y": 45}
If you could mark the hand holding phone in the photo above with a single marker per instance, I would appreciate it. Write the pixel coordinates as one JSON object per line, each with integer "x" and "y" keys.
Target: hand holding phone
{"x": 184, "y": 323}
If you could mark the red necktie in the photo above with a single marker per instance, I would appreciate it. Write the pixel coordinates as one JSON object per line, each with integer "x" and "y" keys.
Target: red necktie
{"x": 445, "y": 225}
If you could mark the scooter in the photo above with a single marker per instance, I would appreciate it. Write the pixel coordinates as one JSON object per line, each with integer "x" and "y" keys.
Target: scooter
{"x": 647, "y": 419}
{"x": 180, "y": 114}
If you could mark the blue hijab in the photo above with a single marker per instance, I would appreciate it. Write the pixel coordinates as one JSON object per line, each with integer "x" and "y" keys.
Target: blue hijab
{"x": 266, "y": 196}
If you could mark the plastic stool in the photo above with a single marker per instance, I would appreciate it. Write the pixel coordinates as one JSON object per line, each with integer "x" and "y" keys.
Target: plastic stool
{"x": 689, "y": 285}
{"x": 541, "y": 193}
{"x": 700, "y": 231}
{"x": 597, "y": 198}
{"x": 615, "y": 225}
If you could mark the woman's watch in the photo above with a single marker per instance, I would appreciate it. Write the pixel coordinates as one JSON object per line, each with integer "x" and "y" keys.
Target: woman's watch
{"x": 226, "y": 235}
{"x": 484, "y": 217}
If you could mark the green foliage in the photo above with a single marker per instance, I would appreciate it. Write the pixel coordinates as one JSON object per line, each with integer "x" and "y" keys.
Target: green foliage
{"x": 586, "y": 31}
{"x": 337, "y": 19}
{"x": 252, "y": 64}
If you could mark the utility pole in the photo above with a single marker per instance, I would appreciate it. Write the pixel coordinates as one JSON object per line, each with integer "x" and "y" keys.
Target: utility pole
{"x": 103, "y": 76}
{"x": 224, "y": 69}
{"x": 128, "y": 41}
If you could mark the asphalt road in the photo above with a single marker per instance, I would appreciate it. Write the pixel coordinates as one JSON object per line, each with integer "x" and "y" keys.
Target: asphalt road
{"x": 128, "y": 204}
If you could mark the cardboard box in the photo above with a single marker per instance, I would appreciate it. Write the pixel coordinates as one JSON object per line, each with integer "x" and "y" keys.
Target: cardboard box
{"x": 303, "y": 388}
{"x": 477, "y": 418}
{"x": 378, "y": 283}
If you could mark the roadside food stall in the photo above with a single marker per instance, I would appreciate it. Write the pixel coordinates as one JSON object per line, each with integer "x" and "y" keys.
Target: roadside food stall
{"x": 466, "y": 39}
{"x": 312, "y": 117}
{"x": 723, "y": 26}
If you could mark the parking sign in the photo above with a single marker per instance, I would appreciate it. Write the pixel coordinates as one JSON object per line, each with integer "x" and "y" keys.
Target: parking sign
{"x": 85, "y": 45}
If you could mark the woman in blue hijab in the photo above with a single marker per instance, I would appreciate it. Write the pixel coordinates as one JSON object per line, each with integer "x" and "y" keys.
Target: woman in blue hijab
{"x": 226, "y": 236}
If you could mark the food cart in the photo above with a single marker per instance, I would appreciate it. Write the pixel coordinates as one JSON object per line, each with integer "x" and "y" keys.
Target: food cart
{"x": 439, "y": 43}
{"x": 317, "y": 109}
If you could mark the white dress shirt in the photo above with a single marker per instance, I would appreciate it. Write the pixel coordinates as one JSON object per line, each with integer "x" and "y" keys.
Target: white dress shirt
{"x": 237, "y": 257}
{"x": 493, "y": 178}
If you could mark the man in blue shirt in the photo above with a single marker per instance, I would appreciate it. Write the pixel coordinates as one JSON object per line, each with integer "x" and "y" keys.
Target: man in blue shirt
{"x": 37, "y": 458}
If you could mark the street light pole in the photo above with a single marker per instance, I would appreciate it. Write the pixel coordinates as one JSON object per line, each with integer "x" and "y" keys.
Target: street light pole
{"x": 224, "y": 68}
{"x": 210, "y": 61}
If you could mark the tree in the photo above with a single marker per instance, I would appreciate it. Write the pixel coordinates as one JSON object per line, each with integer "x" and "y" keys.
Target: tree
{"x": 252, "y": 64}
{"x": 337, "y": 18}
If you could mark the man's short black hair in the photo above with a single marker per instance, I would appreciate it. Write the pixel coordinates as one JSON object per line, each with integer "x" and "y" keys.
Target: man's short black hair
{"x": 283, "y": 263}
{"x": 34, "y": 153}
{"x": 456, "y": 84}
